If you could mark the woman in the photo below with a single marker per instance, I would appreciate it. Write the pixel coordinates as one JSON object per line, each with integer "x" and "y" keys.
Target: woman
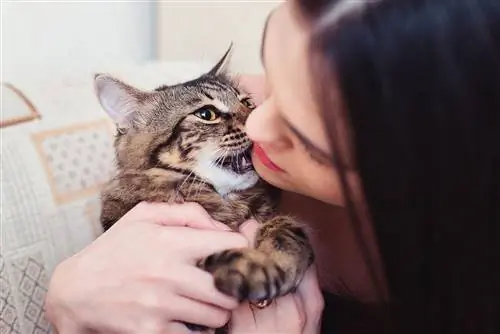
{"x": 388, "y": 108}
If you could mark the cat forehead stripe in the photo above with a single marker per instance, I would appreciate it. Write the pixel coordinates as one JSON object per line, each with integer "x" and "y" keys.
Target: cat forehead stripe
{"x": 217, "y": 103}
{"x": 220, "y": 105}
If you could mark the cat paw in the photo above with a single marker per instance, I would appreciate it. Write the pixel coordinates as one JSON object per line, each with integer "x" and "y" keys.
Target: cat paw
{"x": 245, "y": 274}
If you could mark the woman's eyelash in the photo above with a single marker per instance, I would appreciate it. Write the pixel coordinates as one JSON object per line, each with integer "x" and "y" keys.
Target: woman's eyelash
{"x": 315, "y": 156}
{"x": 309, "y": 148}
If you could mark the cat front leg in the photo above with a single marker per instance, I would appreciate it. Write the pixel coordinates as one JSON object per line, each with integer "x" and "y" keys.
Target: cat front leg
{"x": 121, "y": 194}
{"x": 274, "y": 268}
{"x": 285, "y": 241}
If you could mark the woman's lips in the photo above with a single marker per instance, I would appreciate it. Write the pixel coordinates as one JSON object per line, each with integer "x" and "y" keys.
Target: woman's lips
{"x": 261, "y": 154}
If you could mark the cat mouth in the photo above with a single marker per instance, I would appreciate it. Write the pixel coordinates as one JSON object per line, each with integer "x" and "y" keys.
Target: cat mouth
{"x": 240, "y": 162}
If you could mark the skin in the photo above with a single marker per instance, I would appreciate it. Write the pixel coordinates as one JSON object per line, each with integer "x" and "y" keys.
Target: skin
{"x": 301, "y": 149}
{"x": 109, "y": 287}
{"x": 278, "y": 125}
{"x": 302, "y": 309}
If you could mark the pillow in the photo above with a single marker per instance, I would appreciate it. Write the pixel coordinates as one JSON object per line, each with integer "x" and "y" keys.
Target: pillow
{"x": 16, "y": 107}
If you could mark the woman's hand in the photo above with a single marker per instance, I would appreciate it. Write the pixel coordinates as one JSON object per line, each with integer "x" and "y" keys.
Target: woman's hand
{"x": 295, "y": 313}
{"x": 140, "y": 276}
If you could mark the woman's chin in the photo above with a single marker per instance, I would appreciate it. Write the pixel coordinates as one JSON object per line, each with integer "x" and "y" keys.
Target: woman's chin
{"x": 277, "y": 179}
{"x": 321, "y": 189}
{"x": 271, "y": 177}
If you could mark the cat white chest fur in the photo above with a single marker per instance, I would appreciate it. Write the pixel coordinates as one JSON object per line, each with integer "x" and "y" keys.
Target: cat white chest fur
{"x": 223, "y": 180}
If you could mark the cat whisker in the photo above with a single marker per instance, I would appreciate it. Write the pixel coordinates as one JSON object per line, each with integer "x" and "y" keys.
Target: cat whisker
{"x": 197, "y": 180}
{"x": 200, "y": 187}
{"x": 193, "y": 182}
{"x": 220, "y": 156}
{"x": 238, "y": 165}
{"x": 223, "y": 155}
{"x": 185, "y": 179}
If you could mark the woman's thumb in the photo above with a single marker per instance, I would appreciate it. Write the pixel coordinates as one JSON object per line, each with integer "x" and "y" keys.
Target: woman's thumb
{"x": 249, "y": 230}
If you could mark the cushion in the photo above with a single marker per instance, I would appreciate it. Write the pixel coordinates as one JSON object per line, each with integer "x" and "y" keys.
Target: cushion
{"x": 16, "y": 107}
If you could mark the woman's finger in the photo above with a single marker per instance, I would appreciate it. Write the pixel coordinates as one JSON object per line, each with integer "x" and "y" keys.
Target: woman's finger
{"x": 288, "y": 307}
{"x": 311, "y": 299}
{"x": 190, "y": 311}
{"x": 197, "y": 244}
{"x": 176, "y": 327}
{"x": 203, "y": 289}
{"x": 249, "y": 318}
{"x": 186, "y": 214}
{"x": 249, "y": 230}
{"x": 302, "y": 315}
{"x": 242, "y": 318}
{"x": 282, "y": 316}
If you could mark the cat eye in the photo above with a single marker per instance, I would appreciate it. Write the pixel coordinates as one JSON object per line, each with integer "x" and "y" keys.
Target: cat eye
{"x": 247, "y": 102}
{"x": 207, "y": 114}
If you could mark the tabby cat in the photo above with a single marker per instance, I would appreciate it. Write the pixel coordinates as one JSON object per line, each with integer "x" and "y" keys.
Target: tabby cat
{"x": 186, "y": 143}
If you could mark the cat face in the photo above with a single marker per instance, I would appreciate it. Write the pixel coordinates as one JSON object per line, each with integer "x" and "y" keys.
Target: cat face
{"x": 195, "y": 127}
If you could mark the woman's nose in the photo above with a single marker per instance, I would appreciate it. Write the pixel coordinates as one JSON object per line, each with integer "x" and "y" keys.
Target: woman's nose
{"x": 264, "y": 126}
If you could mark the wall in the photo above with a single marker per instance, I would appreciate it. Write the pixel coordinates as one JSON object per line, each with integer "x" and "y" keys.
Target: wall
{"x": 50, "y": 36}
{"x": 195, "y": 31}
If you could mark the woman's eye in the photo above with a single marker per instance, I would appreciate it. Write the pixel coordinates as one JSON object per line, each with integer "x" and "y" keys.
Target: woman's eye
{"x": 247, "y": 102}
{"x": 207, "y": 114}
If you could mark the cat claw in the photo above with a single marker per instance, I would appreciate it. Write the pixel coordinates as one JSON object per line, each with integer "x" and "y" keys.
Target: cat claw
{"x": 263, "y": 303}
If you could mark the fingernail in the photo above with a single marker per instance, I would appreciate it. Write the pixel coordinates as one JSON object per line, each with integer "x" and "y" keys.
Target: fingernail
{"x": 246, "y": 224}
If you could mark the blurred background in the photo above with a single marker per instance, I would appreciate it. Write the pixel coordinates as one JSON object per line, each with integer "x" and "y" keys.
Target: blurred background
{"x": 69, "y": 35}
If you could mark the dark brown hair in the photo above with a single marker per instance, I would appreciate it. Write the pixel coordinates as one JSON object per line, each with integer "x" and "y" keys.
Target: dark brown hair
{"x": 420, "y": 83}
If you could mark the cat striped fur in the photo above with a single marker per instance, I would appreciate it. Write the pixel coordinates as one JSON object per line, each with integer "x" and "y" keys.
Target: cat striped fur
{"x": 186, "y": 143}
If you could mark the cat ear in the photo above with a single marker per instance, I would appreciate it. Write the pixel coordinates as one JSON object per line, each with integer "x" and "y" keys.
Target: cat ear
{"x": 221, "y": 66}
{"x": 120, "y": 101}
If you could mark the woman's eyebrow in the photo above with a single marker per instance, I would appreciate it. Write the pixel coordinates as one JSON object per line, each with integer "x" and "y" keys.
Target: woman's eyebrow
{"x": 322, "y": 156}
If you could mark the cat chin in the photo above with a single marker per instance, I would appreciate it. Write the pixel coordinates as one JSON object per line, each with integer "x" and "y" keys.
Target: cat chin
{"x": 226, "y": 181}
